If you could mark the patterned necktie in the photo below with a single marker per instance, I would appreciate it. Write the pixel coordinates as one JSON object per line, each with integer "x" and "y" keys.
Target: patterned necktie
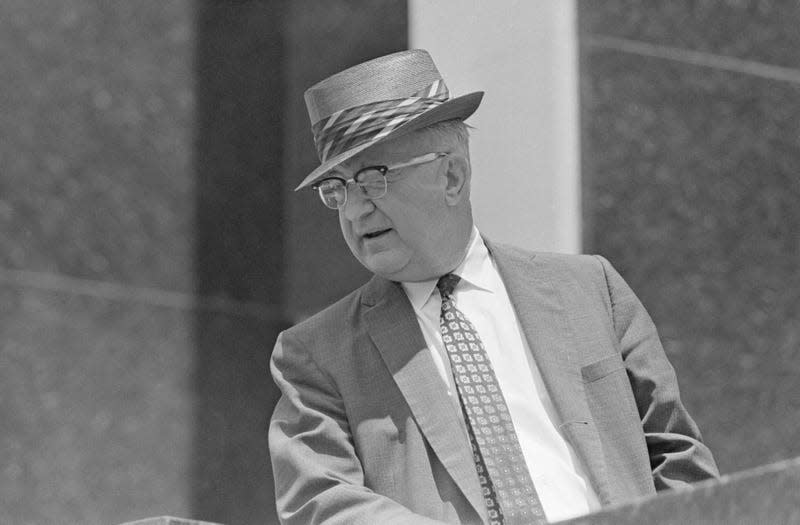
{"x": 507, "y": 486}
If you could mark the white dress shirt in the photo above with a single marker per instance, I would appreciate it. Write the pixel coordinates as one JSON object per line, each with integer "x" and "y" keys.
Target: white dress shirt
{"x": 557, "y": 473}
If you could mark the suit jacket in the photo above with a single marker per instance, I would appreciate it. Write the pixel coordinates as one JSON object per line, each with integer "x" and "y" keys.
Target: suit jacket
{"x": 365, "y": 433}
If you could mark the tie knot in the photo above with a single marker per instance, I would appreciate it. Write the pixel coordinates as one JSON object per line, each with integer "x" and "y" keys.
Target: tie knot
{"x": 447, "y": 283}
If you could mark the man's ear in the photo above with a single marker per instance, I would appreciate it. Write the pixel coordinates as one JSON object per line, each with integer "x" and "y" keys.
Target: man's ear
{"x": 457, "y": 178}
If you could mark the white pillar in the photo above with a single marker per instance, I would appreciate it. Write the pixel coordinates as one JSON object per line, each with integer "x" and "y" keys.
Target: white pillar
{"x": 525, "y": 150}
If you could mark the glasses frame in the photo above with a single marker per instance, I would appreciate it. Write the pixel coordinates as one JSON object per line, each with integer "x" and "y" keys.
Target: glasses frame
{"x": 383, "y": 169}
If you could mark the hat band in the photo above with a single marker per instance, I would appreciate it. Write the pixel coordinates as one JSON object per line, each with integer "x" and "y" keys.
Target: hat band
{"x": 352, "y": 127}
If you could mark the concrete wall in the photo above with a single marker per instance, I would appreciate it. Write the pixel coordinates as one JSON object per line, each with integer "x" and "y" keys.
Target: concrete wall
{"x": 96, "y": 248}
{"x": 690, "y": 125}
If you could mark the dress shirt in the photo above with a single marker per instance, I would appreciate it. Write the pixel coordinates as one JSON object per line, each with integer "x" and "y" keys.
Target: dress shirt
{"x": 557, "y": 473}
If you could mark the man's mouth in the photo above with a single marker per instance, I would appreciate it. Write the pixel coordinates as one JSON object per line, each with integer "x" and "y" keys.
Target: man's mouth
{"x": 376, "y": 233}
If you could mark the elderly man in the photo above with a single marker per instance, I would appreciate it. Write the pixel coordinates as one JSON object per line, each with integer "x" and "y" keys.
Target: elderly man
{"x": 467, "y": 381}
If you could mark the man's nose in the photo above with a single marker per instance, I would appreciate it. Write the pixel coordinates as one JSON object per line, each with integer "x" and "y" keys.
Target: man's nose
{"x": 358, "y": 204}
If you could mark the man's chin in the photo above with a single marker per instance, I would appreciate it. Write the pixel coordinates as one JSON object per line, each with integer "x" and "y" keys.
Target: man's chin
{"x": 385, "y": 264}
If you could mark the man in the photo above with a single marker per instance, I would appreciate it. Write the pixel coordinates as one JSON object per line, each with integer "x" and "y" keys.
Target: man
{"x": 467, "y": 381}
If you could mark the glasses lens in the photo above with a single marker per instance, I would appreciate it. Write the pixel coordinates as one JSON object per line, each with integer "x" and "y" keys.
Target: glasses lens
{"x": 373, "y": 182}
{"x": 333, "y": 193}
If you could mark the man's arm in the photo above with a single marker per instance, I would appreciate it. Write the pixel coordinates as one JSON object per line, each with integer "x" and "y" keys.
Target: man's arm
{"x": 677, "y": 454}
{"x": 318, "y": 476}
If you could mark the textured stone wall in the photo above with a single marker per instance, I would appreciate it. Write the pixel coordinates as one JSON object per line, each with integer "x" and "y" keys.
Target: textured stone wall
{"x": 96, "y": 244}
{"x": 691, "y": 155}
{"x": 140, "y": 260}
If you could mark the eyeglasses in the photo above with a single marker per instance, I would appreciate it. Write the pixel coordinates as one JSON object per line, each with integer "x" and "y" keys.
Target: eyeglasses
{"x": 371, "y": 180}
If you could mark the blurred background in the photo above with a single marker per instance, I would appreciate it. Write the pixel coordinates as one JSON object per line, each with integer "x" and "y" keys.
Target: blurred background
{"x": 151, "y": 246}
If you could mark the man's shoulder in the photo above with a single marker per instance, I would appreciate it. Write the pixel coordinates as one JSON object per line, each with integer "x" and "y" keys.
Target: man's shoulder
{"x": 578, "y": 264}
{"x": 580, "y": 279}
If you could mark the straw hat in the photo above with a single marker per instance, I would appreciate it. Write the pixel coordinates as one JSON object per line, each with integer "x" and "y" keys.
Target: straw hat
{"x": 378, "y": 100}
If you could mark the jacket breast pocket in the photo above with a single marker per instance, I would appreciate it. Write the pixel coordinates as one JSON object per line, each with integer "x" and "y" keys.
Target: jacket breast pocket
{"x": 609, "y": 390}
{"x": 600, "y": 369}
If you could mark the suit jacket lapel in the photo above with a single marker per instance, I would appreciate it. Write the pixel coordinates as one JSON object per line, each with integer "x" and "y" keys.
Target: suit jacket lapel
{"x": 550, "y": 335}
{"x": 393, "y": 327}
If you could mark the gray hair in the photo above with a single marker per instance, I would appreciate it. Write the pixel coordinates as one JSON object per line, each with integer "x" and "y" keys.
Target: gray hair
{"x": 452, "y": 129}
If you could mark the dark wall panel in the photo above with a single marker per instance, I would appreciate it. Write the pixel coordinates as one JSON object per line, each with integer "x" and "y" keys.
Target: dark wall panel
{"x": 324, "y": 38}
{"x": 240, "y": 65}
{"x": 257, "y": 240}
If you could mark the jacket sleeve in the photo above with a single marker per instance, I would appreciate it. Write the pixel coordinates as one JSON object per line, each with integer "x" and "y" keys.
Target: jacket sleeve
{"x": 318, "y": 475}
{"x": 677, "y": 454}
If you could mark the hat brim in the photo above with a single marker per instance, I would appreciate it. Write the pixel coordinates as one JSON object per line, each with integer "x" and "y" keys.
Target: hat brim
{"x": 455, "y": 108}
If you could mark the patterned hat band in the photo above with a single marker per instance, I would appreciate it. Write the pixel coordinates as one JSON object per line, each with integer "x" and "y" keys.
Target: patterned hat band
{"x": 352, "y": 127}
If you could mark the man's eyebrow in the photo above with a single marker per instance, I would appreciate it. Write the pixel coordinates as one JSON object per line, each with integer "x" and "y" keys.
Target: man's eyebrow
{"x": 337, "y": 171}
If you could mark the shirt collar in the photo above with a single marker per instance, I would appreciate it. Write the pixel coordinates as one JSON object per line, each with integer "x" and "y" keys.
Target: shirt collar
{"x": 475, "y": 270}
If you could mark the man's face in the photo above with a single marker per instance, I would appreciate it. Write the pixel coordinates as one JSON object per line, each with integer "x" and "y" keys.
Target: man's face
{"x": 402, "y": 236}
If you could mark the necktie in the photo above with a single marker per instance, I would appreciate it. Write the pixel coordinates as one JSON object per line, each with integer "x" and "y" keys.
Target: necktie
{"x": 507, "y": 486}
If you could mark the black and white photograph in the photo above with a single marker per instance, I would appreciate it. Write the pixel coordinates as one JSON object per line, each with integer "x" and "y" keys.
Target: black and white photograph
{"x": 399, "y": 262}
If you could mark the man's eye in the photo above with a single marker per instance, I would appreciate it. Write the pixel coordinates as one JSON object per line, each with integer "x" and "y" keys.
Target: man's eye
{"x": 331, "y": 183}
